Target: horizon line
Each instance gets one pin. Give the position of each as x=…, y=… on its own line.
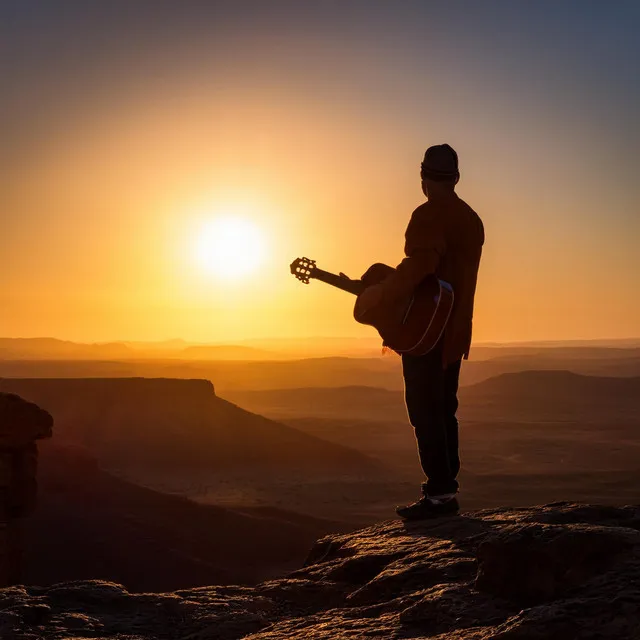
x=244, y=341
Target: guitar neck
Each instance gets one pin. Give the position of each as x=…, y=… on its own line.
x=346, y=284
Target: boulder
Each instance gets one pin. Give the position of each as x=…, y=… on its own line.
x=534, y=563
x=22, y=422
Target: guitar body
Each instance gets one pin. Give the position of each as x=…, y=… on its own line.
x=412, y=325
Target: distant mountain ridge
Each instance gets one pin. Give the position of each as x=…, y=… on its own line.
x=234, y=371
x=557, y=395
x=224, y=352
x=530, y=395
x=52, y=348
x=560, y=352
x=55, y=349
x=557, y=380
x=166, y=424
x=44, y=348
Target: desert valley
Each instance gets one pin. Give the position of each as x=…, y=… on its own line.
x=229, y=468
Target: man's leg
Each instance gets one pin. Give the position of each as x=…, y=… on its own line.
x=451, y=378
x=429, y=398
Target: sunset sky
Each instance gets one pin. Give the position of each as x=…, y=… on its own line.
x=130, y=129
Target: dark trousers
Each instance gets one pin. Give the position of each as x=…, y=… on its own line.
x=431, y=395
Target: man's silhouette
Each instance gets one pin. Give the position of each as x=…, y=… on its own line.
x=445, y=237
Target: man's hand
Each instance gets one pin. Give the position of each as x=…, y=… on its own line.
x=368, y=277
x=375, y=274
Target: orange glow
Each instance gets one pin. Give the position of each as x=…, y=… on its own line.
x=103, y=244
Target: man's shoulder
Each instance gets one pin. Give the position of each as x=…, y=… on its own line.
x=464, y=204
x=443, y=213
x=423, y=207
x=425, y=211
x=471, y=220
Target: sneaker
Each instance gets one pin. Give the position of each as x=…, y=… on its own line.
x=430, y=507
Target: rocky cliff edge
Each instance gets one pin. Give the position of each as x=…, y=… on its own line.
x=562, y=571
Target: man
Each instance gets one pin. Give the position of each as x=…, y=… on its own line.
x=445, y=237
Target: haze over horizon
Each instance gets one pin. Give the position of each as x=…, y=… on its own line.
x=369, y=340
x=130, y=128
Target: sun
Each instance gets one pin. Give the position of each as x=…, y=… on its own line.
x=230, y=247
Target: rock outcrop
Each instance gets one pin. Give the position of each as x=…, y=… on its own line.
x=563, y=571
x=22, y=423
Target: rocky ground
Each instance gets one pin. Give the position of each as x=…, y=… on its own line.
x=562, y=571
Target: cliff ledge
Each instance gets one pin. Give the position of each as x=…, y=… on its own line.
x=565, y=571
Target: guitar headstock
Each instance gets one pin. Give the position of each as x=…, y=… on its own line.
x=303, y=268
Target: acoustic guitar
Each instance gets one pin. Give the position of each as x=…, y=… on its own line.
x=412, y=325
